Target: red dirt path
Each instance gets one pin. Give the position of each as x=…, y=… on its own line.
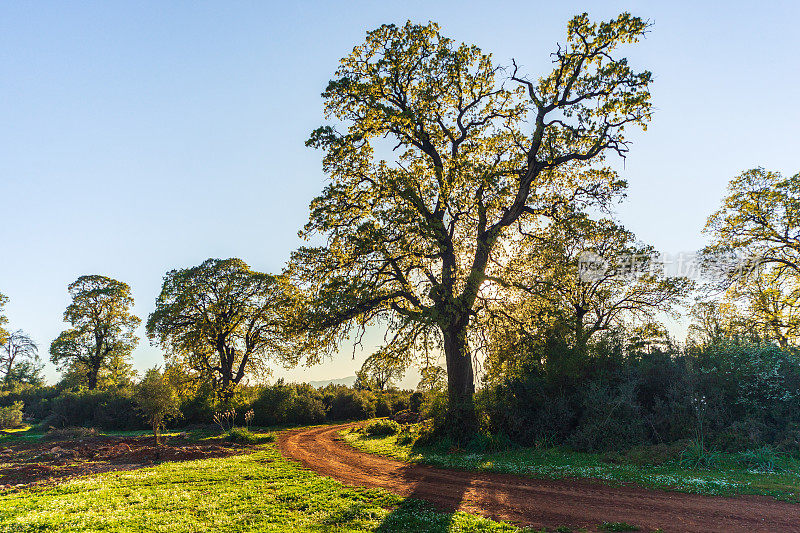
x=537, y=502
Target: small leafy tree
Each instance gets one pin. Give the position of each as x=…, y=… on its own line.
x=157, y=399
x=102, y=327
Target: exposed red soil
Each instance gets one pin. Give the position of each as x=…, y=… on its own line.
x=537, y=502
x=39, y=462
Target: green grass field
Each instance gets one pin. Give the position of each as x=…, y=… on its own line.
x=260, y=491
x=727, y=479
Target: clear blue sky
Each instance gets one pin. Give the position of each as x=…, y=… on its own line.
x=143, y=136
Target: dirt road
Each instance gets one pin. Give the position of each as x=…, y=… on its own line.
x=535, y=502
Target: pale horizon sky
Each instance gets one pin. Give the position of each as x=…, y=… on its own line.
x=144, y=136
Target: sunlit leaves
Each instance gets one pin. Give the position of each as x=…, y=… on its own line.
x=102, y=326
x=222, y=319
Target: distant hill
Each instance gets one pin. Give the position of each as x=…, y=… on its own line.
x=349, y=381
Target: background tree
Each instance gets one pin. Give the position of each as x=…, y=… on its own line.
x=3, y=318
x=482, y=152
x=758, y=223
x=591, y=276
x=157, y=400
x=102, y=327
x=432, y=378
x=754, y=255
x=379, y=371
x=18, y=357
x=221, y=319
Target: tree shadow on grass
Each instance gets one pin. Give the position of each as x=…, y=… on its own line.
x=417, y=512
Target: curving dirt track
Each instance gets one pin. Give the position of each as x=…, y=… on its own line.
x=536, y=502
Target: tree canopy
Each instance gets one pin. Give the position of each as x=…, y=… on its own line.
x=445, y=157
x=18, y=357
x=755, y=254
x=3, y=318
x=102, y=327
x=221, y=319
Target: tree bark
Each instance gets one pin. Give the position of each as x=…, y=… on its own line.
x=94, y=370
x=461, y=421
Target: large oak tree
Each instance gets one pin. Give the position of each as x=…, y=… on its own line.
x=437, y=156
x=102, y=329
x=221, y=319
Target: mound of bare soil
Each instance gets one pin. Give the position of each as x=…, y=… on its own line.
x=36, y=462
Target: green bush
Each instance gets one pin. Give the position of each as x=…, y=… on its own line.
x=344, y=403
x=70, y=433
x=763, y=459
x=245, y=436
x=382, y=428
x=697, y=456
x=288, y=404
x=11, y=416
x=105, y=409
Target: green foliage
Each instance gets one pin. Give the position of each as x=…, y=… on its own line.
x=343, y=403
x=157, y=400
x=220, y=319
x=102, y=331
x=245, y=436
x=763, y=459
x=483, y=155
x=260, y=491
x=665, y=473
x=105, y=409
x=696, y=455
x=19, y=356
x=3, y=318
x=288, y=404
x=70, y=433
x=379, y=371
x=617, y=526
x=381, y=428
x=11, y=416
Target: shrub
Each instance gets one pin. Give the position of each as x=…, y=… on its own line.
x=244, y=436
x=70, y=433
x=157, y=400
x=697, y=456
x=11, y=416
x=483, y=443
x=105, y=409
x=348, y=404
x=763, y=459
x=288, y=404
x=382, y=428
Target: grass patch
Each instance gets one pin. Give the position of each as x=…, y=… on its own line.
x=245, y=436
x=733, y=474
x=616, y=526
x=260, y=491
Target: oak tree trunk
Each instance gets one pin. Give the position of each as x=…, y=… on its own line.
x=461, y=422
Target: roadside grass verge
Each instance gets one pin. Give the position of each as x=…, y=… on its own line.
x=728, y=478
x=260, y=491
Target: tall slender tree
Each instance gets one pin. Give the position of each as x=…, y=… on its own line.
x=102, y=327
x=481, y=152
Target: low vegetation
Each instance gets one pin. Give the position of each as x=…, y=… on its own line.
x=659, y=467
x=261, y=491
